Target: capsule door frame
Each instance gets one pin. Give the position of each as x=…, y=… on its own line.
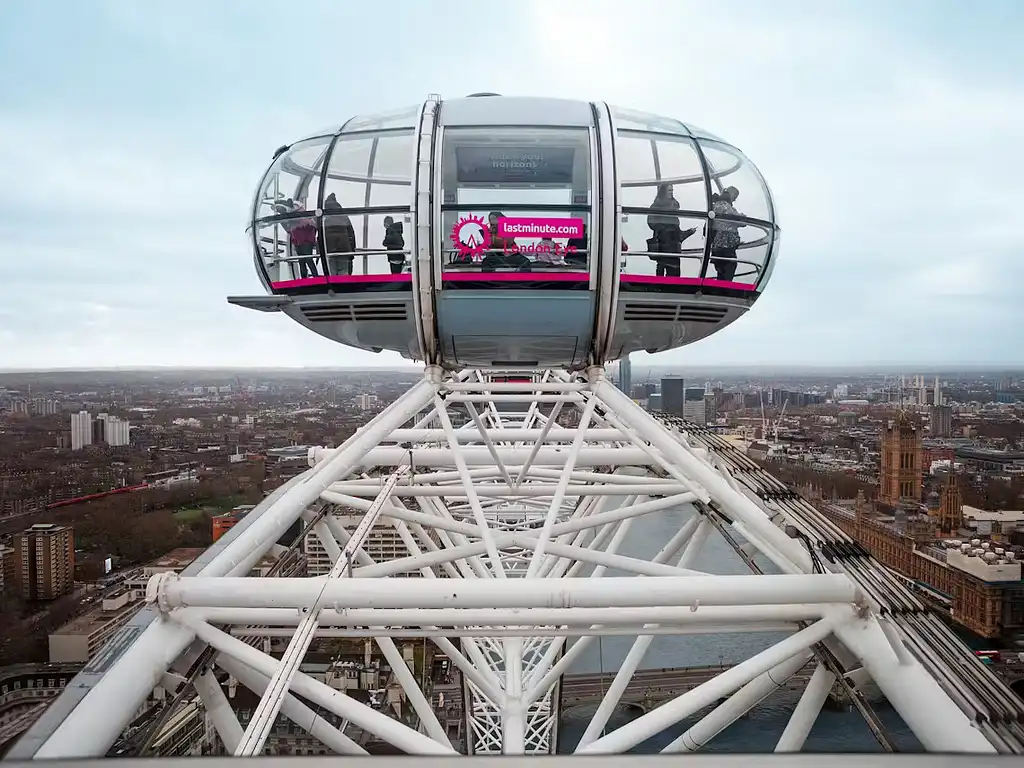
x=605, y=208
x=424, y=245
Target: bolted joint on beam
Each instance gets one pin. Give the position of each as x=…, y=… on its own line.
x=434, y=374
x=156, y=590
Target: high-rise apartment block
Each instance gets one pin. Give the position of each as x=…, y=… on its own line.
x=382, y=544
x=43, y=407
x=99, y=428
x=81, y=430
x=941, y=422
x=44, y=561
x=6, y=568
x=694, y=407
x=626, y=375
x=116, y=432
x=672, y=395
x=103, y=429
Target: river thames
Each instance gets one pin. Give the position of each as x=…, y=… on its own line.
x=758, y=731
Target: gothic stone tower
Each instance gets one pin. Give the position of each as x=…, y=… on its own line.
x=951, y=508
x=901, y=461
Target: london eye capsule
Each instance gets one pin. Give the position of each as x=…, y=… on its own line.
x=497, y=231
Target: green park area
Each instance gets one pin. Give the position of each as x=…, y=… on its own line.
x=193, y=514
x=212, y=508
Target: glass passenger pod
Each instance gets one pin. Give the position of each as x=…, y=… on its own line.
x=335, y=210
x=697, y=216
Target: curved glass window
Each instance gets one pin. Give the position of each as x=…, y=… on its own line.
x=367, y=203
x=348, y=170
x=646, y=161
x=738, y=253
x=286, y=239
x=662, y=245
x=295, y=176
x=371, y=170
x=397, y=118
x=696, y=212
x=729, y=168
x=664, y=199
x=289, y=249
x=773, y=256
x=515, y=200
x=633, y=120
x=338, y=219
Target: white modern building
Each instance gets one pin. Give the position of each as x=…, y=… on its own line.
x=116, y=431
x=81, y=430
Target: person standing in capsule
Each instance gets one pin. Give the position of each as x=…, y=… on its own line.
x=339, y=237
x=394, y=244
x=301, y=233
x=668, y=236
x=725, y=235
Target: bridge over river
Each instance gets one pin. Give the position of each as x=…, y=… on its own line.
x=650, y=687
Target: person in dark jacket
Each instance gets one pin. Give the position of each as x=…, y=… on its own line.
x=725, y=235
x=394, y=240
x=667, y=237
x=339, y=237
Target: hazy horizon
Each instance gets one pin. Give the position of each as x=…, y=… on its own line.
x=909, y=370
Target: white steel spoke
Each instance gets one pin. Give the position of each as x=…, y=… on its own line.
x=266, y=712
x=219, y=710
x=691, y=533
x=400, y=735
x=478, y=513
x=293, y=709
x=737, y=705
x=802, y=720
x=540, y=440
x=563, y=484
x=670, y=713
x=487, y=441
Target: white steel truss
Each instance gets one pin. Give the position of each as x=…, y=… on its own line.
x=513, y=521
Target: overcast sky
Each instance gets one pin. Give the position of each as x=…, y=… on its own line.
x=133, y=134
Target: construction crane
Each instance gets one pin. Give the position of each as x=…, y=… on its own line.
x=778, y=421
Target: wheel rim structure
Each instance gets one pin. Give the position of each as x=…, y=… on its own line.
x=512, y=519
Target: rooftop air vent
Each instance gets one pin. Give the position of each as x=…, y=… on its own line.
x=479, y=95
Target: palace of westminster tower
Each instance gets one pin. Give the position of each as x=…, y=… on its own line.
x=902, y=474
x=902, y=455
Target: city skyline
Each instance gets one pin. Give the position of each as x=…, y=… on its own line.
x=651, y=362
x=138, y=134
